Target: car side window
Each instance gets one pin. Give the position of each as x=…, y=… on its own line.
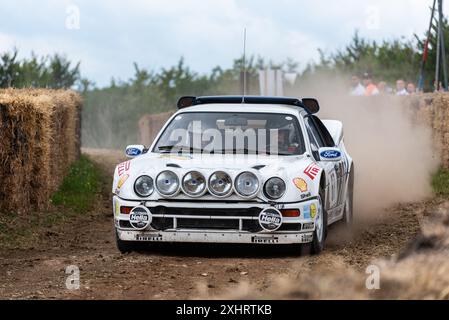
x=314, y=136
x=324, y=133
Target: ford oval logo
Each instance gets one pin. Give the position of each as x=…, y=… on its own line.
x=133, y=152
x=330, y=154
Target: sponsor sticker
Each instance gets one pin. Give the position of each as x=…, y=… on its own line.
x=308, y=226
x=257, y=239
x=270, y=219
x=140, y=218
x=122, y=181
x=306, y=212
x=301, y=184
x=313, y=210
x=312, y=170
x=123, y=168
x=117, y=208
x=306, y=195
x=149, y=237
x=307, y=238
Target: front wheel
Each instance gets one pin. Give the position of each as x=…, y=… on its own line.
x=125, y=246
x=349, y=204
x=320, y=233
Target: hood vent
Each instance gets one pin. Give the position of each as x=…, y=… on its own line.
x=259, y=167
x=173, y=165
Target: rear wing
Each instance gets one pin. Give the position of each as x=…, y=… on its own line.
x=310, y=105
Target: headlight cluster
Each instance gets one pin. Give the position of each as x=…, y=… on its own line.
x=167, y=183
x=247, y=184
x=194, y=184
x=274, y=188
x=144, y=186
x=219, y=184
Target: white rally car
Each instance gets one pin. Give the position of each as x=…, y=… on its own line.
x=233, y=169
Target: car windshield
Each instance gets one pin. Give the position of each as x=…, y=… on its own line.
x=235, y=133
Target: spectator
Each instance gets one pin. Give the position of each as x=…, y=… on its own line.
x=370, y=87
x=411, y=89
x=384, y=88
x=356, y=87
x=400, y=88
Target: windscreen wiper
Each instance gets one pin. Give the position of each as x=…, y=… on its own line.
x=169, y=148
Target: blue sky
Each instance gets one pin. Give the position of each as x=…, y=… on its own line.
x=156, y=33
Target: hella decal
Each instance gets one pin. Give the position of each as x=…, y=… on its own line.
x=140, y=218
x=270, y=219
x=330, y=154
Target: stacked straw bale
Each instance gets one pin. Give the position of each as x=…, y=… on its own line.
x=433, y=109
x=39, y=139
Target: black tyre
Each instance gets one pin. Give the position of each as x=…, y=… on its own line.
x=320, y=233
x=349, y=204
x=125, y=246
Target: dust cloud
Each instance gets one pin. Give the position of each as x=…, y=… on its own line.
x=393, y=150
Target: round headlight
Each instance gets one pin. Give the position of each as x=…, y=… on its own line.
x=220, y=184
x=274, y=188
x=144, y=186
x=167, y=183
x=194, y=183
x=247, y=184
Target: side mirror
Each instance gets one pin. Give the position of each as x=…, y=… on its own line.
x=312, y=106
x=329, y=154
x=133, y=151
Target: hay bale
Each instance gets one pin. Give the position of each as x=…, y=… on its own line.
x=39, y=140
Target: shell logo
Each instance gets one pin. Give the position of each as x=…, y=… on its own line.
x=301, y=184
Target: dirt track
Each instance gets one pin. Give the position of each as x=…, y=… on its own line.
x=177, y=271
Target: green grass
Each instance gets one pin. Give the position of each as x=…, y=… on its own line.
x=79, y=188
x=440, y=183
x=76, y=196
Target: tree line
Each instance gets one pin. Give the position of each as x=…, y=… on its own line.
x=111, y=113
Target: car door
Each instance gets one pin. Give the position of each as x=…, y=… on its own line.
x=319, y=138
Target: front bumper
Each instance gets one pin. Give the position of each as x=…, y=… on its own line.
x=213, y=236
x=222, y=223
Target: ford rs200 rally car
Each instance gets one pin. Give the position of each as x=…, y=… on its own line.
x=233, y=169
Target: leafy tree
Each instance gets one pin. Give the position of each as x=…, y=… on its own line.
x=49, y=72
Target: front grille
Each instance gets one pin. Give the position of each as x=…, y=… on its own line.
x=125, y=224
x=251, y=212
x=182, y=222
x=290, y=227
x=212, y=224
